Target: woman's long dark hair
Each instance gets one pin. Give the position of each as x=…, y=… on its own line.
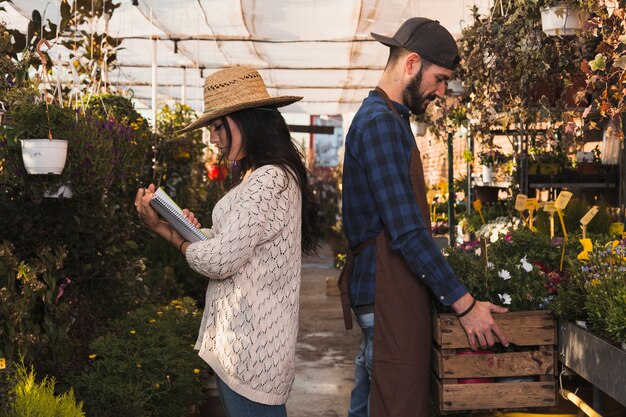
x=267, y=141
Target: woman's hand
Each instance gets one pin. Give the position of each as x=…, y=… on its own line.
x=147, y=214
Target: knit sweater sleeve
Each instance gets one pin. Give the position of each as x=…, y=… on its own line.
x=253, y=215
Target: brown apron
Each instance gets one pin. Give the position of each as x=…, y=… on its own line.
x=402, y=319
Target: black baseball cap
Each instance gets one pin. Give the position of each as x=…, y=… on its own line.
x=428, y=38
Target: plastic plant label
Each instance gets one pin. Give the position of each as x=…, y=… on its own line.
x=590, y=214
x=616, y=228
x=520, y=202
x=478, y=205
x=549, y=207
x=562, y=200
x=3, y=363
x=532, y=204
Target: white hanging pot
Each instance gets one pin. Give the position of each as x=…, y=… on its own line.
x=487, y=173
x=420, y=128
x=44, y=156
x=456, y=88
x=562, y=20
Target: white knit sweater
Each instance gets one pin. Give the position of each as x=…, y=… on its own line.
x=250, y=321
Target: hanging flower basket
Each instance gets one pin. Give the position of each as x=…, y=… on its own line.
x=44, y=156
x=562, y=20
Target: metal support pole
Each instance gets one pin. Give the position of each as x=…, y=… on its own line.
x=183, y=88
x=451, y=196
x=470, y=168
x=153, y=88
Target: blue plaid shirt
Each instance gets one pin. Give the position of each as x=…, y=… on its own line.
x=377, y=194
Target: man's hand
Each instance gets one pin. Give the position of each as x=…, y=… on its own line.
x=478, y=323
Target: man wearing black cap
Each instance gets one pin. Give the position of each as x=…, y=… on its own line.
x=393, y=259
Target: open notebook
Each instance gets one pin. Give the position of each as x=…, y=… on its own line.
x=173, y=214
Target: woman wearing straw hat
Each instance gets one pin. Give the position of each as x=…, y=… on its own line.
x=253, y=254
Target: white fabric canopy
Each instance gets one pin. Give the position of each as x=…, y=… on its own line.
x=320, y=49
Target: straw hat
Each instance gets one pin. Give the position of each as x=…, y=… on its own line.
x=233, y=89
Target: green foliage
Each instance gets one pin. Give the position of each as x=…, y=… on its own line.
x=145, y=365
x=34, y=325
x=29, y=398
x=597, y=291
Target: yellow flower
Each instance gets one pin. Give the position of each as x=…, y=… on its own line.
x=152, y=321
x=133, y=331
x=92, y=356
x=595, y=282
x=159, y=313
x=157, y=385
x=196, y=371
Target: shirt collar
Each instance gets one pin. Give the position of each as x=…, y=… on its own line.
x=402, y=109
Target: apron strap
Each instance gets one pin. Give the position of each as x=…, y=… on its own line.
x=344, y=279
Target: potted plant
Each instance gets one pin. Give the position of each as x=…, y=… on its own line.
x=562, y=20
x=43, y=131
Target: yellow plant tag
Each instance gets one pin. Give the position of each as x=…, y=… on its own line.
x=520, y=202
x=478, y=205
x=590, y=214
x=616, y=228
x=430, y=196
x=3, y=363
x=562, y=200
x=532, y=204
x=549, y=207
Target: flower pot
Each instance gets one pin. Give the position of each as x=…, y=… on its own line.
x=420, y=128
x=44, y=156
x=562, y=20
x=456, y=88
x=549, y=168
x=487, y=173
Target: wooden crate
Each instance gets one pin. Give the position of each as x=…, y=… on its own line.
x=534, y=332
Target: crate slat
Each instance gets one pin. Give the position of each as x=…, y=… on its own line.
x=493, y=396
x=535, y=362
x=523, y=328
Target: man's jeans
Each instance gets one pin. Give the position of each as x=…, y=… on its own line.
x=359, y=402
x=237, y=405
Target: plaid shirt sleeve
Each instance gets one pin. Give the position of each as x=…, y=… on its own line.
x=386, y=156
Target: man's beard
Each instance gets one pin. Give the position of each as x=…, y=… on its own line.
x=413, y=97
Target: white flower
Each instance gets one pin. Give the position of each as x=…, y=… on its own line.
x=477, y=251
x=490, y=265
x=505, y=298
x=524, y=264
x=504, y=274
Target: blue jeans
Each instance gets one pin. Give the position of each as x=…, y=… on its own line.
x=237, y=405
x=360, y=399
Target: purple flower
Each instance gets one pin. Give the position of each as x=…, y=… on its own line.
x=556, y=241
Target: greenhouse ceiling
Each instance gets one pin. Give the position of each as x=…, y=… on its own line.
x=321, y=50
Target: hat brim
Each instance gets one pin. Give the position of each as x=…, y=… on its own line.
x=208, y=116
x=386, y=40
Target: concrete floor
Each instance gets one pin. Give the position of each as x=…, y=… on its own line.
x=325, y=350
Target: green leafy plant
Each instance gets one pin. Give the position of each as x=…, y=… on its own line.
x=36, y=325
x=144, y=364
x=605, y=290
x=28, y=397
